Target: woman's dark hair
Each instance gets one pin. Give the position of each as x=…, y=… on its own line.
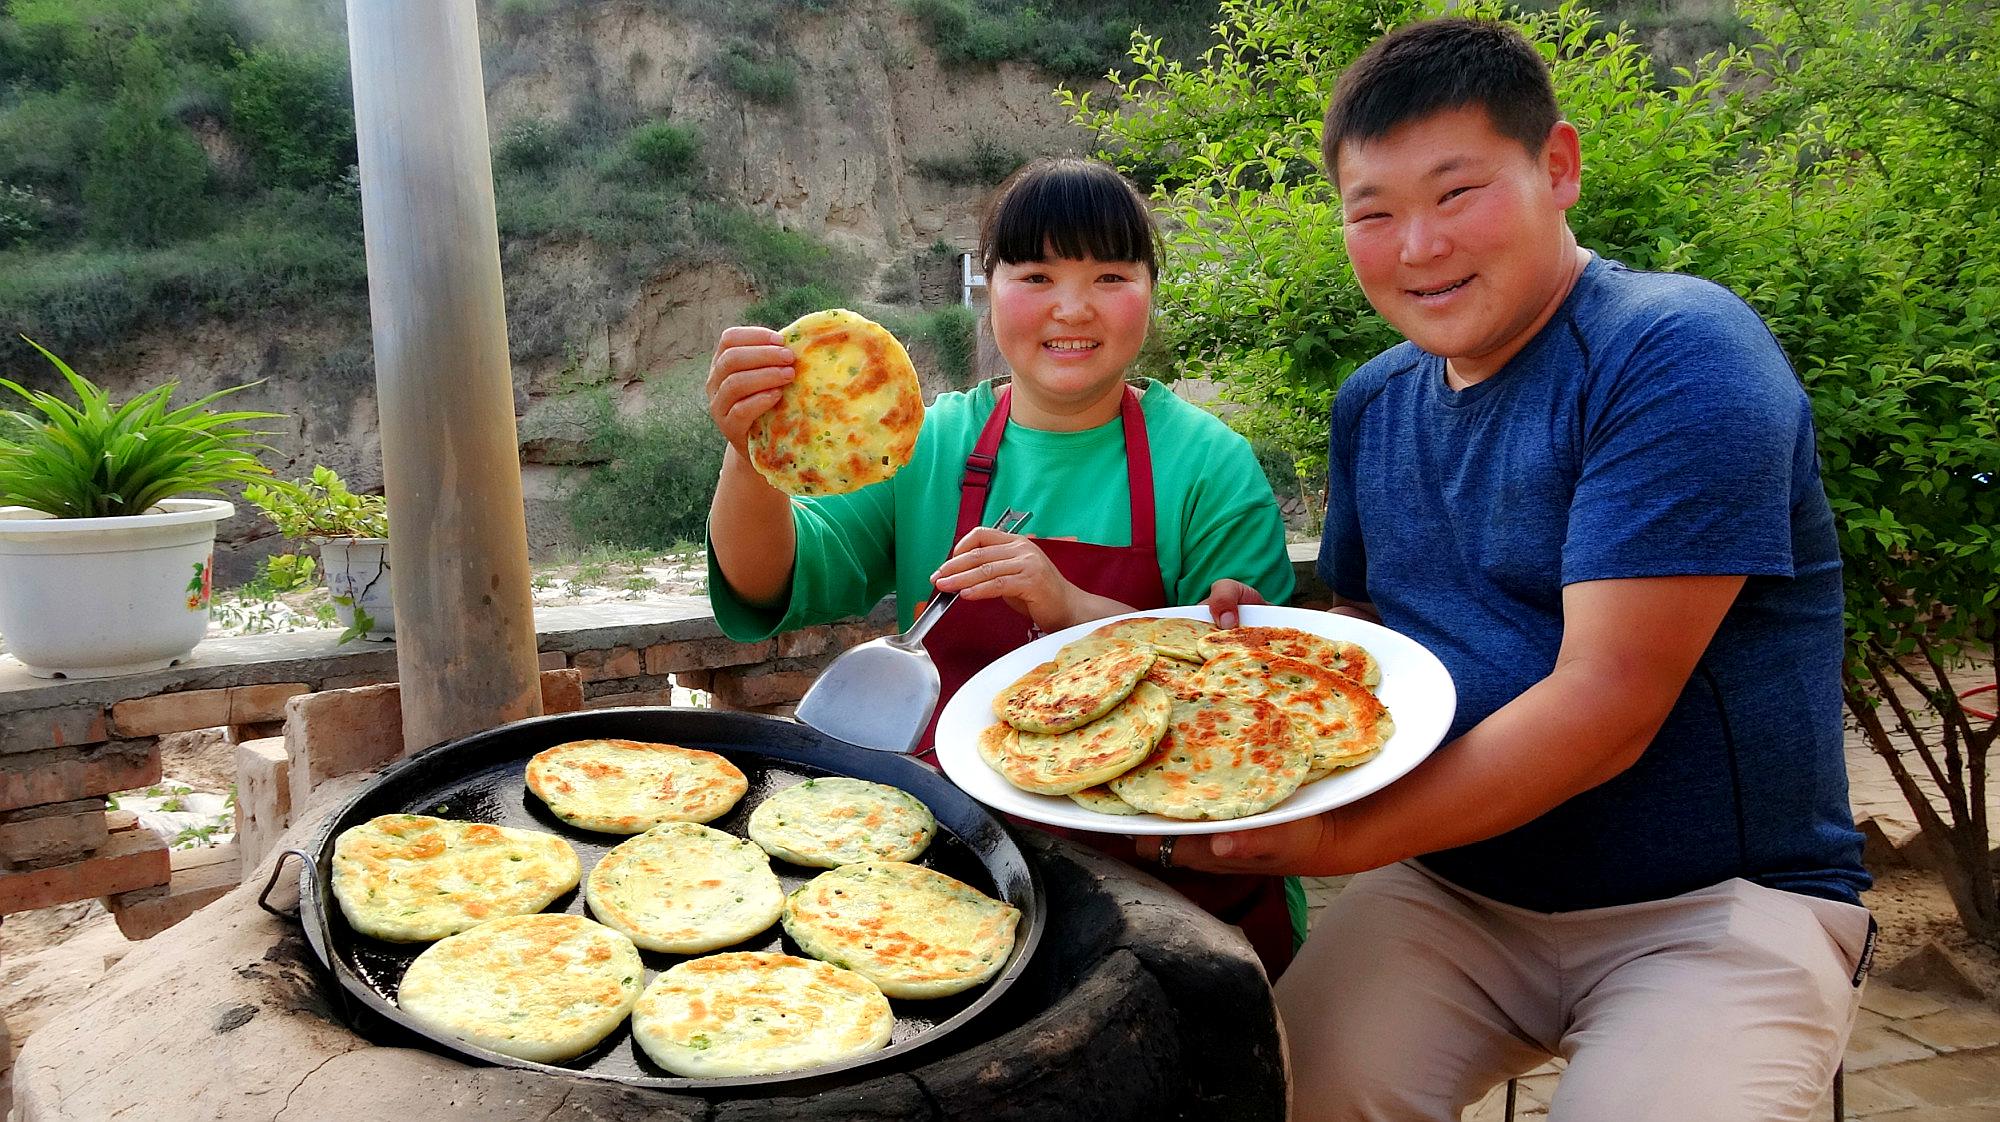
x=1436, y=66
x=1068, y=207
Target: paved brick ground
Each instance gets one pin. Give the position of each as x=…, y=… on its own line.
x=1914, y=1057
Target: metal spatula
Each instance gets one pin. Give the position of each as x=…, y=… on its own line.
x=881, y=694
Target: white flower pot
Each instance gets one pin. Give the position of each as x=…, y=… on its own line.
x=93, y=597
x=357, y=573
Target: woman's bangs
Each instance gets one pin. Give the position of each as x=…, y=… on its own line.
x=1070, y=213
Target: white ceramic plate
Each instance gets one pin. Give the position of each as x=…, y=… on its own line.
x=1415, y=686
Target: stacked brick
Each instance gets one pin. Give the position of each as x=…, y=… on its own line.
x=769, y=676
x=57, y=764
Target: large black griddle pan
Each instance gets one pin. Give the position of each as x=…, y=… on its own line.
x=481, y=778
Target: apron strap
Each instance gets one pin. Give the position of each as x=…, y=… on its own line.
x=979, y=466
x=1138, y=470
x=978, y=478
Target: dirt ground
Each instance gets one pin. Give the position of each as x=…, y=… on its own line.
x=1913, y=909
x=201, y=759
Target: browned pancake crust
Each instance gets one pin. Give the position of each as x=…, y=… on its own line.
x=1222, y=757
x=1079, y=693
x=1345, y=723
x=630, y=786
x=1337, y=655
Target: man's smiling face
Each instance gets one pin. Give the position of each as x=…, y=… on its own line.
x=1457, y=233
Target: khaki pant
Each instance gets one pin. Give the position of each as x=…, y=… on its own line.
x=1412, y=999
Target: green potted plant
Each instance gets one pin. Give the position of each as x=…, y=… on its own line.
x=106, y=559
x=352, y=532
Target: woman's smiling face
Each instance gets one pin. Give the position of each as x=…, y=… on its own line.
x=1069, y=328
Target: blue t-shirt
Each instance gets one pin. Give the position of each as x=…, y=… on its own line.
x=1652, y=428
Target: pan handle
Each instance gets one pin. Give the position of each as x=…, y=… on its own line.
x=264, y=897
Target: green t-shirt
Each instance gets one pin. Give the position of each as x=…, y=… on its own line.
x=1215, y=516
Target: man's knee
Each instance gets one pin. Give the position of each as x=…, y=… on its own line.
x=1347, y=1087
x=1357, y=1060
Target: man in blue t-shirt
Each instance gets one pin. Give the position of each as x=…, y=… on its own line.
x=1593, y=493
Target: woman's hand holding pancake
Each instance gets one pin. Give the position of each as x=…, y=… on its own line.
x=987, y=563
x=750, y=521
x=750, y=367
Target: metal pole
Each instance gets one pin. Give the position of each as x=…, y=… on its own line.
x=458, y=542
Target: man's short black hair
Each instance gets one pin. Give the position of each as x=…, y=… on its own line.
x=1439, y=65
x=1070, y=207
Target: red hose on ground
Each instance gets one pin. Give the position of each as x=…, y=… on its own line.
x=1969, y=710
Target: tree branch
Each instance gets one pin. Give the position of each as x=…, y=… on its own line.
x=1928, y=819
x=1949, y=707
x=1910, y=729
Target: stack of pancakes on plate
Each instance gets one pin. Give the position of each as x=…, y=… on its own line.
x=1174, y=717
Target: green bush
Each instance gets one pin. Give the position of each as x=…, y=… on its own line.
x=92, y=131
x=289, y=251
x=531, y=144
x=983, y=164
x=294, y=109
x=1084, y=39
x=46, y=138
x=145, y=180
x=319, y=506
x=655, y=488
x=280, y=573
x=24, y=214
x=775, y=258
x=781, y=308
x=952, y=336
x=519, y=15
x=665, y=149
x=747, y=71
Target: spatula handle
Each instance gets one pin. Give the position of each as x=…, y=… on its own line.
x=1010, y=520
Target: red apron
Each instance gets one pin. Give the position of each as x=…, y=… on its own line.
x=977, y=632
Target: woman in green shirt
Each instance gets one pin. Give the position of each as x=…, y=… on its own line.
x=1141, y=500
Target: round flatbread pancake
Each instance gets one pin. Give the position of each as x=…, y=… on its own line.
x=829, y=822
x=850, y=415
x=1222, y=757
x=1103, y=800
x=1173, y=636
x=1075, y=695
x=411, y=878
x=1339, y=655
x=1076, y=650
x=1070, y=761
x=752, y=1013
x=630, y=786
x=684, y=889
x=540, y=987
x=1345, y=724
x=914, y=932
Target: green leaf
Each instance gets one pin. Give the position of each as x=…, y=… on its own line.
x=96, y=459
